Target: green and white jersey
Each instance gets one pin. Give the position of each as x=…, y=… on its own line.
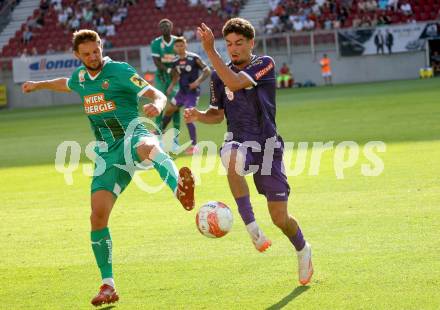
x=110, y=98
x=164, y=50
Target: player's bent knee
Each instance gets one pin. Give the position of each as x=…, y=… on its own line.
x=148, y=148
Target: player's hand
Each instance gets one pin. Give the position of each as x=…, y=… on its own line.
x=151, y=110
x=191, y=115
x=28, y=87
x=193, y=85
x=206, y=37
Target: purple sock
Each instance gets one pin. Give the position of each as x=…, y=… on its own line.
x=298, y=240
x=165, y=121
x=192, y=132
x=245, y=209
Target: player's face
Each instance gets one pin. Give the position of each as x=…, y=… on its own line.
x=180, y=48
x=239, y=48
x=165, y=28
x=90, y=54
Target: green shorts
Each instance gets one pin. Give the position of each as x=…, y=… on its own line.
x=115, y=179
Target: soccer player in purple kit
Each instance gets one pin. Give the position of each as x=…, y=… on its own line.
x=243, y=91
x=186, y=70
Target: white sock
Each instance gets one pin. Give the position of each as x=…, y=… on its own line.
x=252, y=227
x=109, y=281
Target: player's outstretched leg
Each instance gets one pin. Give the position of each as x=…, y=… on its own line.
x=288, y=225
x=181, y=183
x=235, y=161
x=102, y=204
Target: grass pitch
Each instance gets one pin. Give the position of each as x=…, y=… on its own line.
x=375, y=239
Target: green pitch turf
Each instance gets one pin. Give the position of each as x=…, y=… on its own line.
x=375, y=240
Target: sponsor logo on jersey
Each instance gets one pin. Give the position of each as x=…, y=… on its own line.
x=264, y=71
x=229, y=93
x=138, y=81
x=96, y=103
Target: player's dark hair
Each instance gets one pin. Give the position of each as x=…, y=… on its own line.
x=165, y=20
x=83, y=36
x=180, y=39
x=239, y=26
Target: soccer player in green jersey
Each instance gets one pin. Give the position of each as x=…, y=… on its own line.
x=110, y=92
x=162, y=51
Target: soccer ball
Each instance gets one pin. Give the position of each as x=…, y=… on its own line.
x=214, y=219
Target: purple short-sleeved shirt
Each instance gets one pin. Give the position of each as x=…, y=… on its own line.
x=250, y=112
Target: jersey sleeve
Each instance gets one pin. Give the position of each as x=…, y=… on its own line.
x=131, y=81
x=73, y=81
x=155, y=49
x=260, y=71
x=216, y=92
x=202, y=65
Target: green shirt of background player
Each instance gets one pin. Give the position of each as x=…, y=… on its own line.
x=110, y=91
x=162, y=51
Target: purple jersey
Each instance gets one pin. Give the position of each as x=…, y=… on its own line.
x=250, y=112
x=189, y=69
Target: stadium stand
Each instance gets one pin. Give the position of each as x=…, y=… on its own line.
x=304, y=15
x=122, y=23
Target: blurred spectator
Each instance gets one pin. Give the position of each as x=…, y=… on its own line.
x=273, y=4
x=406, y=8
x=110, y=30
x=298, y=24
x=160, y=4
x=211, y=5
x=371, y=5
x=27, y=35
x=34, y=51
x=284, y=78
x=193, y=3
x=189, y=33
x=309, y=24
x=50, y=49
x=24, y=53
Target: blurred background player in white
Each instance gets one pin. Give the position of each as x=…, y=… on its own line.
x=186, y=69
x=243, y=91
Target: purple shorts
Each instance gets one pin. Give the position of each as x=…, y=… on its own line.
x=269, y=178
x=186, y=100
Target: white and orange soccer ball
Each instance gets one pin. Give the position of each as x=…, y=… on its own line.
x=214, y=219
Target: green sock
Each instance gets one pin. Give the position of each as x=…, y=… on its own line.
x=176, y=120
x=102, y=248
x=167, y=169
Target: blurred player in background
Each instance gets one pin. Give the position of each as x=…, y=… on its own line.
x=186, y=69
x=244, y=92
x=162, y=51
x=284, y=78
x=110, y=92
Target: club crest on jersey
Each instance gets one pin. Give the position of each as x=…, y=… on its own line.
x=81, y=76
x=229, y=94
x=105, y=84
x=138, y=81
x=188, y=68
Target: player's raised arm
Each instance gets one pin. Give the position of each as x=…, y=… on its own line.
x=59, y=85
x=234, y=81
x=159, y=101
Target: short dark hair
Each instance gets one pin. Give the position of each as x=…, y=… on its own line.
x=83, y=36
x=240, y=26
x=165, y=20
x=180, y=39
